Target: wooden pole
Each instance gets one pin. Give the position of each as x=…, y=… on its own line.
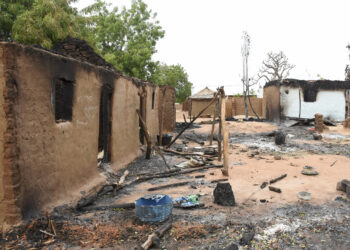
x=149, y=141
x=213, y=126
x=224, y=132
x=147, y=136
x=189, y=124
x=161, y=118
x=220, y=130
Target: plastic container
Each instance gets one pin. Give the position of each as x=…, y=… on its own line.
x=154, y=208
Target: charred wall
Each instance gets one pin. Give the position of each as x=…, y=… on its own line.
x=60, y=152
x=272, y=103
x=60, y=156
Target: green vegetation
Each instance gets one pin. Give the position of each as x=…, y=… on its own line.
x=175, y=76
x=126, y=38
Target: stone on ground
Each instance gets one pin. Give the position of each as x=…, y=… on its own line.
x=223, y=194
x=280, y=138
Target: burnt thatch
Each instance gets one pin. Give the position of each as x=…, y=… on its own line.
x=82, y=51
x=315, y=84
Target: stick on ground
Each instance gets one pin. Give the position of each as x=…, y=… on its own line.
x=278, y=178
x=275, y=189
x=178, y=184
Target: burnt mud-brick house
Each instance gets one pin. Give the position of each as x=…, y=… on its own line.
x=58, y=110
x=299, y=99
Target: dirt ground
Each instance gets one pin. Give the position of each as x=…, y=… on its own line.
x=274, y=220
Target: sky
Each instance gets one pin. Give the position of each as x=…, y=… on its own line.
x=205, y=37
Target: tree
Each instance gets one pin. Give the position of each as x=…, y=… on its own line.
x=128, y=38
x=9, y=11
x=275, y=67
x=347, y=69
x=46, y=22
x=176, y=76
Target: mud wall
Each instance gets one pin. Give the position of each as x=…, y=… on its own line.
x=2, y=131
x=169, y=115
x=238, y=106
x=60, y=157
x=45, y=161
x=125, y=142
x=272, y=103
x=228, y=106
x=186, y=105
x=330, y=103
x=197, y=105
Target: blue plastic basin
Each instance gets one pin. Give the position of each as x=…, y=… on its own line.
x=154, y=208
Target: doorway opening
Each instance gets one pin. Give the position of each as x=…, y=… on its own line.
x=105, y=125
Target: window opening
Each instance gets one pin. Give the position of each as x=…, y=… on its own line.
x=153, y=100
x=62, y=99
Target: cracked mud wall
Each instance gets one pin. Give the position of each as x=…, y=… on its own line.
x=125, y=142
x=56, y=159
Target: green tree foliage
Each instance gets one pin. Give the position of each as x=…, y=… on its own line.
x=125, y=38
x=176, y=76
x=46, y=22
x=9, y=11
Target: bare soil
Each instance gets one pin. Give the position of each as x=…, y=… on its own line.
x=277, y=220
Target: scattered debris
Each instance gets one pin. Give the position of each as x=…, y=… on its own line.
x=223, y=194
x=232, y=246
x=305, y=196
x=308, y=170
x=247, y=237
x=280, y=138
x=219, y=180
x=278, y=178
x=333, y=163
x=317, y=136
x=263, y=185
x=178, y=184
x=277, y=157
x=347, y=123
x=188, y=201
x=342, y=185
x=275, y=189
x=153, y=239
x=238, y=163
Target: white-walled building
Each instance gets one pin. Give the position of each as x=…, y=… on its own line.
x=303, y=99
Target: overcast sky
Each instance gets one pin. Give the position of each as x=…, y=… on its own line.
x=204, y=36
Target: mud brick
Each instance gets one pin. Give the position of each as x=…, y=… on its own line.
x=342, y=185
x=348, y=192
